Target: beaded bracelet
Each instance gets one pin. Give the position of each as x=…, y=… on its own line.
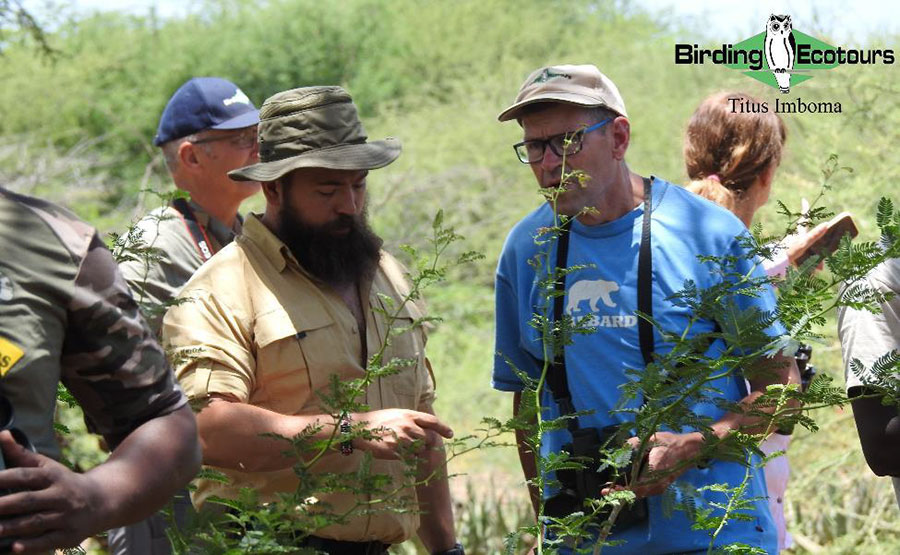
x=344, y=428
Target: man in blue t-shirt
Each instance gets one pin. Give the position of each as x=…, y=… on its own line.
x=576, y=128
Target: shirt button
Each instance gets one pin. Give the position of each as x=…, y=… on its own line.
x=354, y=330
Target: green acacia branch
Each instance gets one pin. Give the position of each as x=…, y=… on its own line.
x=732, y=499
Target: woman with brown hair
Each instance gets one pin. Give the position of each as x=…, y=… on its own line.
x=731, y=158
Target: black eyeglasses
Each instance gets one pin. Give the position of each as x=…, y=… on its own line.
x=245, y=139
x=564, y=144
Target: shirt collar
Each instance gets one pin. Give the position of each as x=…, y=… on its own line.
x=277, y=253
x=219, y=231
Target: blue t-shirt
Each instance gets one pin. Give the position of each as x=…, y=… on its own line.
x=605, y=290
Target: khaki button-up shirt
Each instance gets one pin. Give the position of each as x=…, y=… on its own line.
x=259, y=329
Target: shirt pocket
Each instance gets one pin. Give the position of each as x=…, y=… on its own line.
x=407, y=343
x=292, y=354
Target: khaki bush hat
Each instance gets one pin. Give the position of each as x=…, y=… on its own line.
x=313, y=127
x=582, y=85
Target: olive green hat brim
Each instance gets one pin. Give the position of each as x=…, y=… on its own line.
x=362, y=156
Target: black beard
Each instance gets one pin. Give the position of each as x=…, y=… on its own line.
x=343, y=252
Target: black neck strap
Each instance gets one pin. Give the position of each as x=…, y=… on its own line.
x=645, y=281
x=196, y=231
x=556, y=376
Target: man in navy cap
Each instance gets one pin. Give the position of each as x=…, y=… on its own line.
x=207, y=129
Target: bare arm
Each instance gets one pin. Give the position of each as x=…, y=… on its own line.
x=223, y=424
x=56, y=507
x=436, y=528
x=673, y=451
x=526, y=458
x=779, y=369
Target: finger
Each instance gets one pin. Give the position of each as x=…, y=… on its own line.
x=409, y=434
x=24, y=503
x=14, y=455
x=641, y=491
x=429, y=421
x=634, y=442
x=30, y=525
x=807, y=239
x=654, y=486
x=432, y=439
x=818, y=231
x=45, y=542
x=609, y=489
x=658, y=440
x=22, y=479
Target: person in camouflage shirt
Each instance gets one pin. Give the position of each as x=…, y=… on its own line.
x=66, y=315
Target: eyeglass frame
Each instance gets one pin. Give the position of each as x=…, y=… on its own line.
x=579, y=133
x=237, y=139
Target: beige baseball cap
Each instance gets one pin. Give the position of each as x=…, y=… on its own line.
x=582, y=85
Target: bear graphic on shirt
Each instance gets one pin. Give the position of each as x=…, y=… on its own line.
x=588, y=294
x=591, y=291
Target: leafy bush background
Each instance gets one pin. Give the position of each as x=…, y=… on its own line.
x=77, y=127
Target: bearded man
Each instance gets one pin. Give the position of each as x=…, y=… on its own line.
x=299, y=298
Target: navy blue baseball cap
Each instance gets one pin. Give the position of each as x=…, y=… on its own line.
x=205, y=103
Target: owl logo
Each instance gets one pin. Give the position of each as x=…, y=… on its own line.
x=780, y=49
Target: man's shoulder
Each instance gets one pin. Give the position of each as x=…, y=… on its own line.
x=70, y=231
x=397, y=274
x=886, y=277
x=676, y=197
x=161, y=228
x=224, y=284
x=228, y=271
x=522, y=235
x=690, y=217
x=392, y=267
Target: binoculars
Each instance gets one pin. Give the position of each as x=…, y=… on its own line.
x=578, y=485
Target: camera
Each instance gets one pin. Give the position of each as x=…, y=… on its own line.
x=807, y=370
x=586, y=482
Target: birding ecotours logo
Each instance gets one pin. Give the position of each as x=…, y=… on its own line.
x=781, y=56
x=780, y=50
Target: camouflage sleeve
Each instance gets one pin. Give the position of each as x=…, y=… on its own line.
x=111, y=362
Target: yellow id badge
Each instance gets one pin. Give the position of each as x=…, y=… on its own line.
x=10, y=353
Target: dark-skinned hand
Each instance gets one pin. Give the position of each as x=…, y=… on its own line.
x=50, y=506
